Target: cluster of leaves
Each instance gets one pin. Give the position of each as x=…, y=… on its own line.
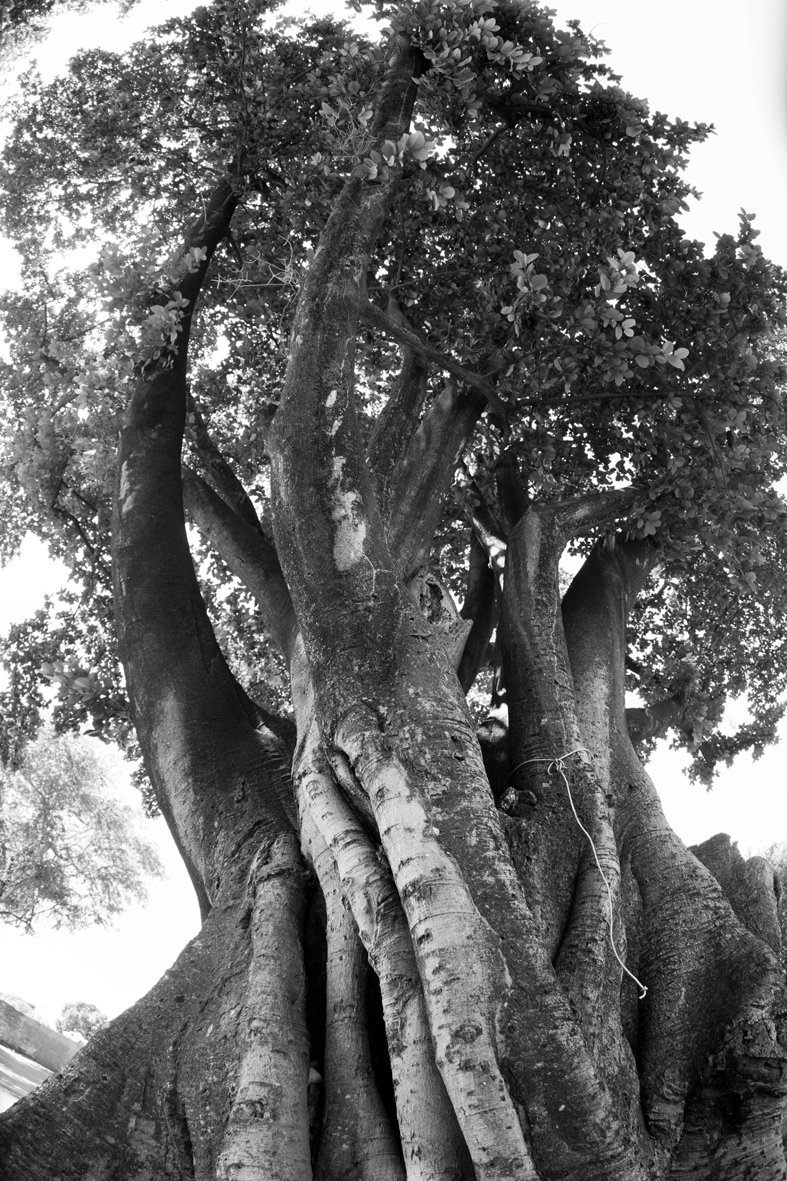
x=534, y=237
x=70, y=855
x=77, y=686
x=705, y=637
x=79, y=630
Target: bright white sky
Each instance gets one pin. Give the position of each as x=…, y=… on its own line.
x=703, y=60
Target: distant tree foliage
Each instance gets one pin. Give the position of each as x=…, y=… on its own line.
x=80, y=1019
x=69, y=852
x=23, y=22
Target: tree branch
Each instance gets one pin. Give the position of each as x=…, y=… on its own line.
x=488, y=532
x=249, y=554
x=206, y=234
x=426, y=474
x=585, y=514
x=397, y=423
x=404, y=335
x=480, y=606
x=652, y=721
x=511, y=492
x=226, y=482
x=327, y=524
x=165, y=638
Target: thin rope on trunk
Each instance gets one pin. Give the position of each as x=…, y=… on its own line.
x=558, y=764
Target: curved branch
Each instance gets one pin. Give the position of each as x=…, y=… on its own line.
x=488, y=532
x=653, y=721
x=205, y=234
x=249, y=555
x=226, y=482
x=586, y=514
x=196, y=732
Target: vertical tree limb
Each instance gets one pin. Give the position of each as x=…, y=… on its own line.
x=558, y=865
x=339, y=846
x=357, y=1140
x=196, y=732
x=267, y=1132
x=328, y=528
x=708, y=1004
x=425, y=476
x=226, y=482
x=480, y=607
x=396, y=425
x=249, y=555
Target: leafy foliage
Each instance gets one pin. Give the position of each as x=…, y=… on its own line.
x=70, y=855
x=81, y=1019
x=534, y=239
x=25, y=22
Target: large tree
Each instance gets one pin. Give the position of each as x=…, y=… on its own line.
x=448, y=327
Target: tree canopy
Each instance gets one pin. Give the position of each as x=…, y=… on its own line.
x=617, y=351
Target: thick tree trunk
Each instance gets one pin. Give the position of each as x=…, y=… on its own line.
x=708, y=1040
x=190, y=1083
x=152, y=1094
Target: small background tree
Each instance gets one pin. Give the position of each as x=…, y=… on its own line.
x=70, y=854
x=80, y=1020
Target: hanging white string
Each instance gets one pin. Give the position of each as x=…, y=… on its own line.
x=558, y=764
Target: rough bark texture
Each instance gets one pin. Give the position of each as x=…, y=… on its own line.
x=709, y=1039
